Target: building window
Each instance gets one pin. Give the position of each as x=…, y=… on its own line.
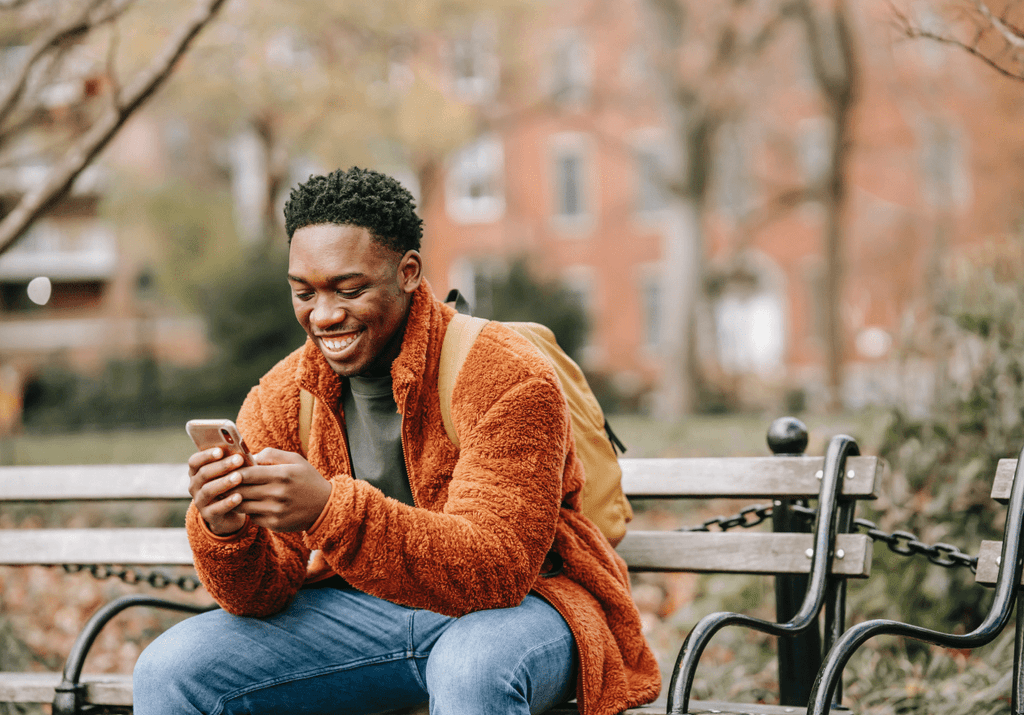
x=473, y=64
x=732, y=181
x=569, y=185
x=814, y=149
x=651, y=195
x=749, y=317
x=571, y=73
x=943, y=162
x=572, y=182
x=475, y=186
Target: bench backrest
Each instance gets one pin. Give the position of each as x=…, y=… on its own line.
x=776, y=477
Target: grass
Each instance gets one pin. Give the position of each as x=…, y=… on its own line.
x=164, y=445
x=736, y=435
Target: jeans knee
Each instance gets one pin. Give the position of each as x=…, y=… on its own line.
x=473, y=678
x=510, y=661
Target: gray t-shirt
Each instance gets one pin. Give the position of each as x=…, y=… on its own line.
x=374, y=429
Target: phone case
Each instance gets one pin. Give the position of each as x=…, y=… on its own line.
x=219, y=433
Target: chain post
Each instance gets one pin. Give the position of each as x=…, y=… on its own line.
x=800, y=655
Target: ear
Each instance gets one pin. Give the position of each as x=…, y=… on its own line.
x=410, y=271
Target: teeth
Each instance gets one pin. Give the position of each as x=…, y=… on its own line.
x=338, y=344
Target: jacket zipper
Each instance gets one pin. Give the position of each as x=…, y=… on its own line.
x=405, y=459
x=582, y=702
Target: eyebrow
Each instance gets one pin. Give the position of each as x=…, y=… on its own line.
x=333, y=279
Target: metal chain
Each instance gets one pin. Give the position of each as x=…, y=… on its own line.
x=907, y=544
x=900, y=542
x=133, y=576
x=747, y=517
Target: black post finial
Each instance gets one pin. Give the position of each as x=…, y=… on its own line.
x=787, y=435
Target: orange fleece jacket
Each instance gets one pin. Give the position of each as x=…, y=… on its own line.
x=485, y=517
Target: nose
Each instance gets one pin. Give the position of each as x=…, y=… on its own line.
x=326, y=313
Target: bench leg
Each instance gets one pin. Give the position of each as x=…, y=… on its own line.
x=1016, y=694
x=799, y=656
x=69, y=696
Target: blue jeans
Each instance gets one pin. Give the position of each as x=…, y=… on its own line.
x=342, y=651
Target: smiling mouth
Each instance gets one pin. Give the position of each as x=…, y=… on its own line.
x=340, y=344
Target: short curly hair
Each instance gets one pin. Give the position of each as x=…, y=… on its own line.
x=357, y=197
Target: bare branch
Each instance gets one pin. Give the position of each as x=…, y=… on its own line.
x=63, y=174
x=973, y=50
x=52, y=45
x=111, y=64
x=1014, y=40
x=60, y=33
x=986, y=24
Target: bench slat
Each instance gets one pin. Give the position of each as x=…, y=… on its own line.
x=988, y=563
x=116, y=689
x=94, y=482
x=105, y=688
x=727, y=552
x=745, y=477
x=787, y=477
x=151, y=547
x=761, y=553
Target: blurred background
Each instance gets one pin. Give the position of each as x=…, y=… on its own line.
x=766, y=204
x=726, y=211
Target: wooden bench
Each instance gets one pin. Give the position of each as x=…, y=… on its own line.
x=1000, y=564
x=810, y=568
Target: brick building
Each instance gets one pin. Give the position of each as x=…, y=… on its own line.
x=566, y=174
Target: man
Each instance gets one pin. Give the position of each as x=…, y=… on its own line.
x=463, y=576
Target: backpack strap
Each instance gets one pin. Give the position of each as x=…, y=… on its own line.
x=458, y=339
x=458, y=301
x=306, y=402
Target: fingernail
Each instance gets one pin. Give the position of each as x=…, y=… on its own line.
x=236, y=478
x=217, y=454
x=237, y=459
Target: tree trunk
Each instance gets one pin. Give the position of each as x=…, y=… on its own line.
x=833, y=59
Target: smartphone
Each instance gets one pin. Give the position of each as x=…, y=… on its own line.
x=219, y=433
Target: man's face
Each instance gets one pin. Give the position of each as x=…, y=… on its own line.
x=352, y=296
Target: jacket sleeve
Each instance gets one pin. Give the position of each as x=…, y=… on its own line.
x=256, y=571
x=485, y=548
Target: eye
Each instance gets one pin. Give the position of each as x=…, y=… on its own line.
x=350, y=292
x=303, y=294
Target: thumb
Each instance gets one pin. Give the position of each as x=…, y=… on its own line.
x=269, y=455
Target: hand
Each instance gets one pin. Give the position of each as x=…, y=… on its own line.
x=211, y=478
x=283, y=492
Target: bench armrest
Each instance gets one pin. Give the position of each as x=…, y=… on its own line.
x=1006, y=588
x=825, y=528
x=68, y=697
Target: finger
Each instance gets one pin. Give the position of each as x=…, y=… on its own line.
x=220, y=507
x=210, y=472
x=265, y=474
x=269, y=455
x=216, y=489
x=202, y=458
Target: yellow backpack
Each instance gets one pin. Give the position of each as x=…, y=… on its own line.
x=602, y=499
